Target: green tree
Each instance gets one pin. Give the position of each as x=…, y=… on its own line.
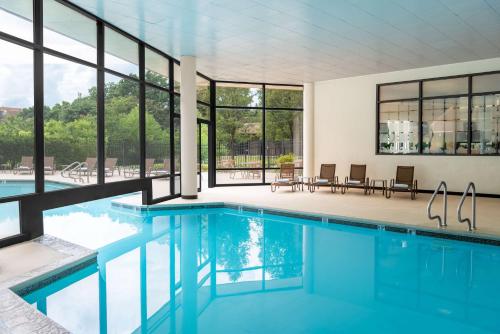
x=231, y=123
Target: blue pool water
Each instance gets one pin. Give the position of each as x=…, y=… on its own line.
x=9, y=212
x=226, y=271
x=13, y=188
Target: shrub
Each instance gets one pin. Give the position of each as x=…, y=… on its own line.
x=285, y=158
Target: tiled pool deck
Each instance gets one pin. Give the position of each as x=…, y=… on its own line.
x=43, y=260
x=375, y=209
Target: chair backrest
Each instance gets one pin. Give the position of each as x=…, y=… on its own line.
x=358, y=173
x=327, y=171
x=404, y=175
x=90, y=163
x=27, y=161
x=149, y=164
x=48, y=161
x=110, y=163
x=287, y=171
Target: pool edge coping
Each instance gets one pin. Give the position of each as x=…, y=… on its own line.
x=15, y=313
x=464, y=236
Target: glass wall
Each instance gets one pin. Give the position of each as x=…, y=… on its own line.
x=62, y=83
x=121, y=122
x=283, y=129
x=69, y=32
x=16, y=18
x=239, y=145
x=158, y=131
x=16, y=112
x=254, y=137
x=16, y=119
x=157, y=68
x=121, y=53
x=449, y=116
x=70, y=123
x=158, y=150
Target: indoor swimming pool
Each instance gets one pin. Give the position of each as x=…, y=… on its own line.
x=224, y=270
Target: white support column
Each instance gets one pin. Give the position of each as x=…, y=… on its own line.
x=308, y=135
x=189, y=188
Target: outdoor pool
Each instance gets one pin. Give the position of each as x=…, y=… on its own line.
x=222, y=270
x=9, y=213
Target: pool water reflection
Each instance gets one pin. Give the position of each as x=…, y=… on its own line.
x=224, y=271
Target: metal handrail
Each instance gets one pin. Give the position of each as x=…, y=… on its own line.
x=441, y=222
x=69, y=168
x=472, y=226
x=73, y=171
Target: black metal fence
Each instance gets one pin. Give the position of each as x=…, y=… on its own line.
x=247, y=153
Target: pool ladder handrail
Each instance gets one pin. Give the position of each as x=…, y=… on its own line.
x=472, y=225
x=441, y=221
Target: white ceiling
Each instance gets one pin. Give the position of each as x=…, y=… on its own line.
x=295, y=41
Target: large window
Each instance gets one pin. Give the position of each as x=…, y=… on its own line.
x=398, y=119
x=444, y=126
x=158, y=140
x=121, y=53
x=121, y=128
x=69, y=32
x=485, y=116
x=157, y=68
x=445, y=116
x=16, y=18
x=258, y=127
x=70, y=123
x=283, y=129
x=16, y=120
x=239, y=145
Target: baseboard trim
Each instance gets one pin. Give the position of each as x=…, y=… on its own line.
x=189, y=196
x=458, y=193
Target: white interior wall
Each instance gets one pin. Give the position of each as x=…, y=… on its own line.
x=345, y=132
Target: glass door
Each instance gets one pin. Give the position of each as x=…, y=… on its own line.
x=202, y=156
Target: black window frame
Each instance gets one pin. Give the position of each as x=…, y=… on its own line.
x=469, y=95
x=262, y=108
x=32, y=205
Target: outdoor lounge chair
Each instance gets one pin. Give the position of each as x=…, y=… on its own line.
x=48, y=165
x=88, y=167
x=404, y=182
x=164, y=170
x=230, y=165
x=357, y=179
x=133, y=171
x=253, y=173
x=25, y=166
x=110, y=166
x=326, y=178
x=286, y=178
